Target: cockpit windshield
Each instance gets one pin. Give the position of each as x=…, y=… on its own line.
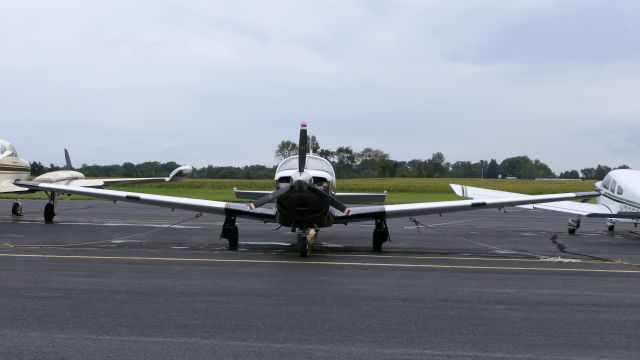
x=7, y=149
x=313, y=163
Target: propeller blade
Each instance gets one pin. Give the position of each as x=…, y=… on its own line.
x=302, y=147
x=329, y=199
x=270, y=197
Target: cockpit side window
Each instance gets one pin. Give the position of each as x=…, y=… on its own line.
x=612, y=188
x=619, y=191
x=606, y=182
x=14, y=153
x=2, y=149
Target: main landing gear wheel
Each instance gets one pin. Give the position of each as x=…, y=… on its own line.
x=49, y=213
x=380, y=235
x=573, y=225
x=16, y=209
x=230, y=232
x=611, y=224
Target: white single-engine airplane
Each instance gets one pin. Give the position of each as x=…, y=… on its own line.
x=619, y=200
x=13, y=168
x=305, y=201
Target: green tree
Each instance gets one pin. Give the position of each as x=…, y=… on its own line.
x=37, y=168
x=493, y=169
x=285, y=149
x=569, y=174
x=601, y=171
x=588, y=173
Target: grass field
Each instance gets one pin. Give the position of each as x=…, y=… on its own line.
x=400, y=190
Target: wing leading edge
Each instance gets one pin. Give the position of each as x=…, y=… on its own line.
x=440, y=207
x=173, y=202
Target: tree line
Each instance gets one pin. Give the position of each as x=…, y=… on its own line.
x=366, y=163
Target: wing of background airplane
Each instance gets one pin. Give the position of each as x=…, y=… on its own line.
x=74, y=178
x=570, y=207
x=354, y=214
x=173, y=202
x=7, y=186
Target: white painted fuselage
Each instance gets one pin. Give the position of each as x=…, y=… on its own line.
x=620, y=191
x=12, y=167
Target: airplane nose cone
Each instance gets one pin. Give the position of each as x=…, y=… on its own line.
x=300, y=185
x=301, y=181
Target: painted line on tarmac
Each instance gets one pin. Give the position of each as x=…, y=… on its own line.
x=462, y=258
x=312, y=262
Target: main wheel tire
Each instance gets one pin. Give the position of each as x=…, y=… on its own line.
x=303, y=246
x=16, y=209
x=379, y=238
x=49, y=213
x=611, y=227
x=377, y=244
x=572, y=231
x=233, y=237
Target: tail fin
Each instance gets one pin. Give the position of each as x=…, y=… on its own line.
x=68, y=160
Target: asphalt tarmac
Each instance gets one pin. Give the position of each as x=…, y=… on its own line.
x=115, y=281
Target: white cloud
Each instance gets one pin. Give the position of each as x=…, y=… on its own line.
x=227, y=80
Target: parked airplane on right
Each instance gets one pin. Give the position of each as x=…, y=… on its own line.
x=619, y=200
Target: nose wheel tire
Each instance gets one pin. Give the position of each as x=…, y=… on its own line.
x=303, y=246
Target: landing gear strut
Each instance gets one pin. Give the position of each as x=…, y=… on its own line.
x=50, y=208
x=306, y=238
x=611, y=224
x=230, y=231
x=16, y=209
x=380, y=234
x=573, y=225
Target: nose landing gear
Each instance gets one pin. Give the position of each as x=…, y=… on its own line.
x=306, y=238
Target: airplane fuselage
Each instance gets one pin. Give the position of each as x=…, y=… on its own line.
x=12, y=167
x=302, y=208
x=620, y=191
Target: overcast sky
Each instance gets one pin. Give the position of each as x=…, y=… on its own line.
x=222, y=82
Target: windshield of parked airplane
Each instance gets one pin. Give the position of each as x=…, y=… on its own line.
x=7, y=148
x=606, y=182
x=313, y=163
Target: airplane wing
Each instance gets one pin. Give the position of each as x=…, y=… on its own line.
x=440, y=207
x=354, y=214
x=73, y=178
x=571, y=207
x=7, y=186
x=173, y=202
x=345, y=198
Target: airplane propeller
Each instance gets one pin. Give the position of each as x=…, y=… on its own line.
x=303, y=182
